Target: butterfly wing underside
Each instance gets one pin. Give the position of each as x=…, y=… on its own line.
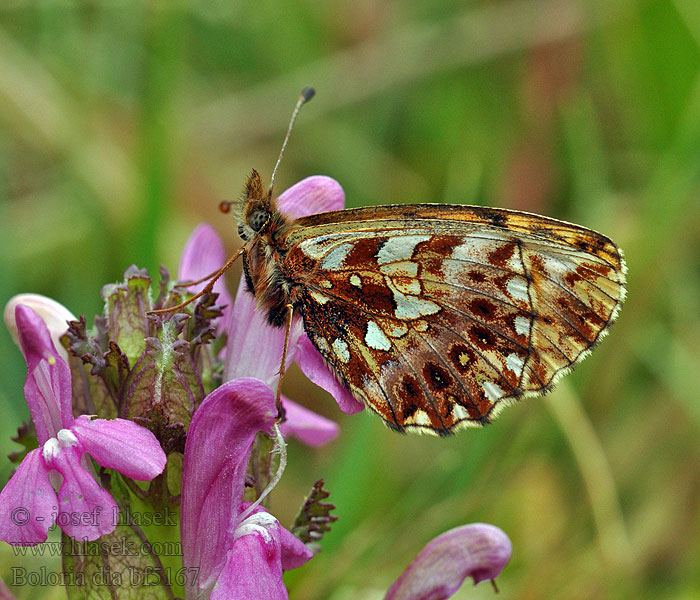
x=437, y=316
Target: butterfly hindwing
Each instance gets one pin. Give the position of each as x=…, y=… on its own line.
x=435, y=319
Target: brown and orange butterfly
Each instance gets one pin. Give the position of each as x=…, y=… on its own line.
x=434, y=316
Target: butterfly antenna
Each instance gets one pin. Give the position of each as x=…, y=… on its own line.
x=306, y=94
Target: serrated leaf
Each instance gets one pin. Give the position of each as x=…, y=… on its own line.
x=96, y=376
x=90, y=395
x=26, y=436
x=202, y=328
x=85, y=346
x=169, y=293
x=314, y=518
x=126, y=305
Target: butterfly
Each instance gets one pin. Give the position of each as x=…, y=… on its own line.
x=434, y=316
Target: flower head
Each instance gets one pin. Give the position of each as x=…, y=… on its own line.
x=28, y=503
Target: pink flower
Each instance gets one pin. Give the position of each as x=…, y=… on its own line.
x=254, y=348
x=478, y=551
x=54, y=314
x=237, y=552
x=28, y=503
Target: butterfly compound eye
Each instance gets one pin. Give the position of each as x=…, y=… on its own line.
x=257, y=219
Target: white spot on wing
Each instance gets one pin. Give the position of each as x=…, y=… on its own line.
x=411, y=307
x=333, y=261
x=398, y=331
x=399, y=247
x=476, y=249
x=515, y=363
x=375, y=337
x=319, y=297
x=340, y=348
x=492, y=390
x=322, y=344
x=522, y=325
x=356, y=281
x=515, y=263
x=410, y=287
x=420, y=417
x=459, y=412
x=517, y=288
x=557, y=267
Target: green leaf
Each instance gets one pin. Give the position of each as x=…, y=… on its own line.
x=120, y=565
x=314, y=518
x=26, y=436
x=96, y=376
x=126, y=305
x=173, y=472
x=163, y=388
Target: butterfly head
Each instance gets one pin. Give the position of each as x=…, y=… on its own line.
x=256, y=209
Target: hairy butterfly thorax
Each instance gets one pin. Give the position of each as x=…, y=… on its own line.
x=263, y=230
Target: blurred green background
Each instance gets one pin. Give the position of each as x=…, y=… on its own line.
x=124, y=124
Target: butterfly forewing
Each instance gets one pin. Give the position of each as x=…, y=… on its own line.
x=435, y=316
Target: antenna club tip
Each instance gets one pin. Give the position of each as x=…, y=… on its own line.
x=307, y=93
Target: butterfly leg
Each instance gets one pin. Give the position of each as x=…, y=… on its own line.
x=283, y=365
x=212, y=277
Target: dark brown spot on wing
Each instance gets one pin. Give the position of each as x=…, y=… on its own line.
x=462, y=357
x=481, y=307
x=503, y=254
x=436, y=377
x=482, y=337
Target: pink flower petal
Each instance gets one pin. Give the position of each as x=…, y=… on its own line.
x=294, y=552
x=203, y=254
x=253, y=569
x=307, y=426
x=27, y=503
x=312, y=195
x=254, y=347
x=313, y=366
x=54, y=314
x=479, y=551
x=121, y=445
x=86, y=511
x=5, y=593
x=218, y=447
x=47, y=388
